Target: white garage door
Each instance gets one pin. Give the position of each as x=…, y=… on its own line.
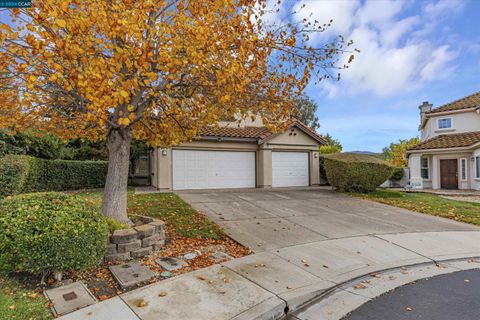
x=194, y=169
x=290, y=169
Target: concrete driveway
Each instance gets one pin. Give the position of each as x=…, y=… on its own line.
x=313, y=247
x=278, y=218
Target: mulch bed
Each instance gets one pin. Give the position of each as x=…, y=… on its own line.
x=101, y=283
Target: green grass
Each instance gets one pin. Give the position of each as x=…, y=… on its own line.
x=17, y=302
x=179, y=216
x=428, y=203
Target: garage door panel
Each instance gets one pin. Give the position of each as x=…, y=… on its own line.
x=194, y=169
x=290, y=169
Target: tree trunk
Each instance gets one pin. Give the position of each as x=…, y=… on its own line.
x=115, y=194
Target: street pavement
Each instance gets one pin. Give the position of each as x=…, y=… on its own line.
x=453, y=296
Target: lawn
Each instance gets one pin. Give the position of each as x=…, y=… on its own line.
x=18, y=302
x=429, y=204
x=180, y=218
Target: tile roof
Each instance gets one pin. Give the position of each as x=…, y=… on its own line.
x=467, y=102
x=449, y=141
x=259, y=133
x=236, y=132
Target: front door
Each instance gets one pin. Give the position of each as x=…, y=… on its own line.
x=449, y=173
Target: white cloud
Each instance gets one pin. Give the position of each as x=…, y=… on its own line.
x=375, y=12
x=323, y=11
x=397, y=53
x=443, y=6
x=435, y=68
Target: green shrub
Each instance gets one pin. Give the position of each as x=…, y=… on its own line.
x=50, y=232
x=397, y=174
x=356, y=172
x=113, y=225
x=21, y=174
x=14, y=172
x=322, y=171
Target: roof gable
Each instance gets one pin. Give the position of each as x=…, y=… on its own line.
x=261, y=134
x=302, y=127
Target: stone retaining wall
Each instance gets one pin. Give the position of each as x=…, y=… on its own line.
x=147, y=235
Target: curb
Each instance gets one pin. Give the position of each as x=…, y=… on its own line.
x=352, y=298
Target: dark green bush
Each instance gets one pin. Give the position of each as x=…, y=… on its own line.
x=21, y=174
x=14, y=171
x=50, y=232
x=397, y=174
x=35, y=144
x=356, y=172
x=323, y=172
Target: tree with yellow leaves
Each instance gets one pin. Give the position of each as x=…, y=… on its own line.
x=395, y=154
x=156, y=71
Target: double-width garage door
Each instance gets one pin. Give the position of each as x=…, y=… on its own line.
x=194, y=169
x=290, y=169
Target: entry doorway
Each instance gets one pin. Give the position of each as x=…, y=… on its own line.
x=449, y=174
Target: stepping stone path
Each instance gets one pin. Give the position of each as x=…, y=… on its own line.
x=131, y=274
x=190, y=256
x=220, y=257
x=166, y=274
x=171, y=264
x=69, y=298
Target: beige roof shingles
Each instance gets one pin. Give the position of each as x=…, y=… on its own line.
x=471, y=101
x=234, y=132
x=261, y=134
x=459, y=140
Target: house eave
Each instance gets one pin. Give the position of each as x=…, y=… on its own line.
x=225, y=139
x=442, y=150
x=433, y=114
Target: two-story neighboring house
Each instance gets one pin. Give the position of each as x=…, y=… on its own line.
x=240, y=155
x=449, y=155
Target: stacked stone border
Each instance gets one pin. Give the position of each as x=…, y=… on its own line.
x=146, y=236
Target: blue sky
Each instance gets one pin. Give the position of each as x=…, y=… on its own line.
x=411, y=51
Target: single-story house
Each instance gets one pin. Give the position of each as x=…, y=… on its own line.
x=245, y=155
x=448, y=156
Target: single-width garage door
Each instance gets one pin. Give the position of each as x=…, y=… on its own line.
x=290, y=169
x=193, y=169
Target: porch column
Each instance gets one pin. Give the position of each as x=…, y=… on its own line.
x=264, y=168
x=435, y=173
x=164, y=169
x=414, y=164
x=314, y=168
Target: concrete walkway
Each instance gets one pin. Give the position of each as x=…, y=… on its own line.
x=308, y=243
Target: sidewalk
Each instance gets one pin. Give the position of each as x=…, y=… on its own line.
x=267, y=284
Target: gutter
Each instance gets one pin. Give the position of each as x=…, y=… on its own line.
x=227, y=139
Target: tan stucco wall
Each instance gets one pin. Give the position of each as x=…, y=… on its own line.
x=434, y=165
x=264, y=168
x=461, y=122
x=294, y=140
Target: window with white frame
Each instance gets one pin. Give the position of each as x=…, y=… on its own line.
x=445, y=123
x=477, y=166
x=425, y=170
x=463, y=169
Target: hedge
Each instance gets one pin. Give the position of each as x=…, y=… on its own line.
x=22, y=174
x=398, y=174
x=356, y=172
x=50, y=232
